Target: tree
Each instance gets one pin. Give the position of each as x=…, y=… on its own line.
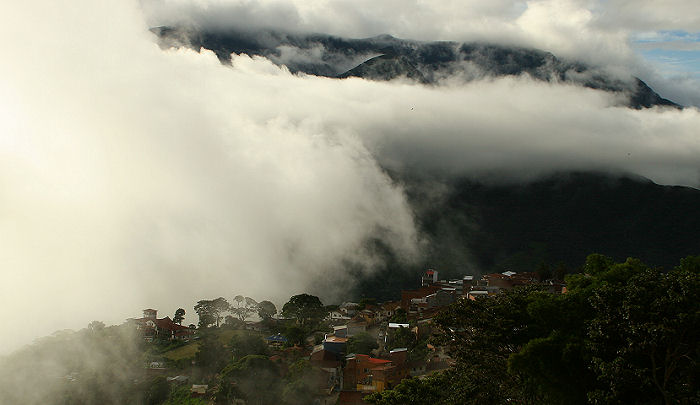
x=211, y=311
x=304, y=308
x=243, y=344
x=179, y=316
x=295, y=334
x=245, y=307
x=157, y=390
x=96, y=326
x=211, y=356
x=362, y=343
x=645, y=337
x=266, y=309
x=253, y=378
x=443, y=388
x=301, y=383
x=624, y=333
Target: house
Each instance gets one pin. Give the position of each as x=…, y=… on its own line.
x=408, y=295
x=510, y=279
x=350, y=329
x=388, y=309
x=335, y=344
x=337, y=316
x=331, y=365
x=369, y=374
x=153, y=328
x=474, y=294
x=349, y=308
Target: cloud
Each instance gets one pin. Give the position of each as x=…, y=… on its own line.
x=135, y=177
x=596, y=32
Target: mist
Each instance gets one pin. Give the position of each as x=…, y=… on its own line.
x=137, y=177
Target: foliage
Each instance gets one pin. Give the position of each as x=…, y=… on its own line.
x=305, y=308
x=399, y=316
x=645, y=337
x=300, y=383
x=624, y=333
x=211, y=311
x=362, y=343
x=244, y=307
x=295, y=334
x=252, y=378
x=157, y=390
x=179, y=316
x=211, y=356
x=244, y=344
x=400, y=337
x=182, y=396
x=93, y=366
x=266, y=309
x=444, y=388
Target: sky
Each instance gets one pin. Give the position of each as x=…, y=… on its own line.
x=136, y=177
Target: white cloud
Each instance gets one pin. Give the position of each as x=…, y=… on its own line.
x=134, y=177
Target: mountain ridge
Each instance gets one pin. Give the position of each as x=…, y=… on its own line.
x=385, y=57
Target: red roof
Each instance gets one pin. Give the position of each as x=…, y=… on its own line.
x=164, y=323
x=372, y=359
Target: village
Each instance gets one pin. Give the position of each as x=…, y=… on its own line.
x=354, y=350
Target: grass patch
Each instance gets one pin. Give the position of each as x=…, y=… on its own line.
x=183, y=352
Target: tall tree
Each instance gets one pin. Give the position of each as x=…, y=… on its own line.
x=362, y=343
x=244, y=307
x=211, y=311
x=252, y=378
x=304, y=308
x=243, y=344
x=645, y=338
x=179, y=316
x=266, y=309
x=211, y=356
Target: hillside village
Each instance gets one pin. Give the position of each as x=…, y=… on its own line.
x=355, y=349
x=615, y=332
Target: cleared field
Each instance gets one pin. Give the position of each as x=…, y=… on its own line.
x=189, y=350
x=183, y=352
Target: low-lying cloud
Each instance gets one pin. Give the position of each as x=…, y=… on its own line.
x=134, y=177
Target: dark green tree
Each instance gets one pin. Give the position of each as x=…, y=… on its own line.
x=179, y=316
x=266, y=309
x=362, y=343
x=645, y=337
x=295, y=334
x=157, y=390
x=244, y=344
x=301, y=383
x=243, y=307
x=254, y=379
x=305, y=308
x=211, y=355
x=211, y=311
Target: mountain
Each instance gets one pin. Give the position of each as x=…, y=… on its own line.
x=473, y=226
x=561, y=219
x=385, y=58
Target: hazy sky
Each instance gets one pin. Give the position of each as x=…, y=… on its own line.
x=134, y=177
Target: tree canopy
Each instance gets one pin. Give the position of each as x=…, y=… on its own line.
x=211, y=311
x=623, y=333
x=179, y=316
x=304, y=308
x=266, y=309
